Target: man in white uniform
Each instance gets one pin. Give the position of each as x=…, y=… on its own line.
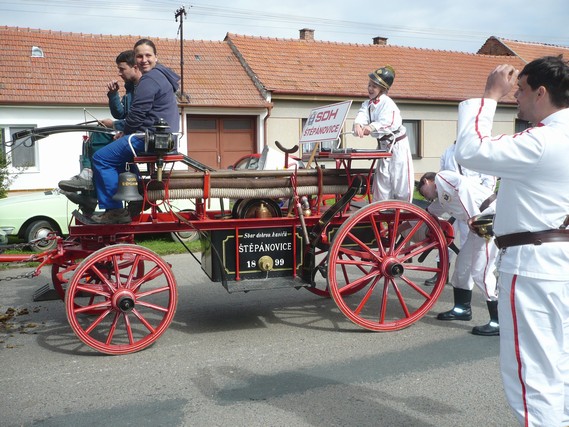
x=448, y=162
x=380, y=117
x=464, y=198
x=532, y=205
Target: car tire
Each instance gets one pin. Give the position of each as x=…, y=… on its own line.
x=185, y=236
x=38, y=229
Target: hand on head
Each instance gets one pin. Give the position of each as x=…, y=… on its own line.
x=500, y=81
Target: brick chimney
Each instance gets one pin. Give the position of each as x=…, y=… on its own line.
x=306, y=34
x=380, y=40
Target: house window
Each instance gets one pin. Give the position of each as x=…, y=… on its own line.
x=21, y=153
x=413, y=134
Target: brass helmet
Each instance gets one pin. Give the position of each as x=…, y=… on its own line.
x=483, y=225
x=383, y=76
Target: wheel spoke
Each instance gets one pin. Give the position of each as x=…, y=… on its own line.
x=401, y=300
x=103, y=277
x=143, y=321
x=112, y=329
x=414, y=286
x=151, y=275
x=128, y=329
x=377, y=234
x=153, y=292
x=92, y=308
x=97, y=321
x=356, y=283
x=133, y=270
x=152, y=306
x=366, y=297
x=93, y=290
x=362, y=245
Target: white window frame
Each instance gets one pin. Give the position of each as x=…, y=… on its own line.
x=7, y=131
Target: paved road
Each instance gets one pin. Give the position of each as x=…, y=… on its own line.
x=264, y=358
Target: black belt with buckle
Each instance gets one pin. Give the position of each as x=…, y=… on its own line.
x=532, y=238
x=389, y=137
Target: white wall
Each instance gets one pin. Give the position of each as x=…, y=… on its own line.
x=57, y=155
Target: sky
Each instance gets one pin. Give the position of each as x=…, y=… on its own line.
x=459, y=25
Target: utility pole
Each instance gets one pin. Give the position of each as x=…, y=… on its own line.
x=181, y=13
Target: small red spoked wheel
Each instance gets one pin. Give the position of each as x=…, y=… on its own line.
x=62, y=271
x=373, y=271
x=131, y=290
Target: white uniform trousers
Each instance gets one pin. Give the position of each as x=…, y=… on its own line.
x=534, y=323
x=394, y=176
x=475, y=264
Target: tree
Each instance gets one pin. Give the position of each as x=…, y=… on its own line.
x=4, y=178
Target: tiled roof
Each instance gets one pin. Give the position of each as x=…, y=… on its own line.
x=526, y=51
x=76, y=68
x=308, y=67
x=237, y=71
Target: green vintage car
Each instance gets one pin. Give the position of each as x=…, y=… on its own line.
x=34, y=215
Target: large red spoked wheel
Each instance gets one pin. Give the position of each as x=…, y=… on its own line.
x=373, y=271
x=133, y=309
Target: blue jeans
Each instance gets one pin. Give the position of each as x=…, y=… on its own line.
x=108, y=163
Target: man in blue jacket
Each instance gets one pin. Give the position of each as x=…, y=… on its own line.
x=154, y=100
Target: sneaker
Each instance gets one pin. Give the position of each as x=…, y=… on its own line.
x=76, y=183
x=112, y=216
x=86, y=203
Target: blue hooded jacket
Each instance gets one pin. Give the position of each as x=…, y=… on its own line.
x=154, y=99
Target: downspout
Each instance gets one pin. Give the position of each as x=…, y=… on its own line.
x=263, y=119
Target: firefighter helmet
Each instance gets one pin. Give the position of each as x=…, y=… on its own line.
x=383, y=76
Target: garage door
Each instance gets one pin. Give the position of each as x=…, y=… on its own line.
x=220, y=141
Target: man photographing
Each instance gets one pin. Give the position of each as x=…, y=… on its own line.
x=531, y=212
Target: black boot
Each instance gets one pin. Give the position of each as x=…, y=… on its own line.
x=493, y=327
x=435, y=278
x=461, y=309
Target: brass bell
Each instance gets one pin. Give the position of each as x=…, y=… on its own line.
x=128, y=188
x=262, y=211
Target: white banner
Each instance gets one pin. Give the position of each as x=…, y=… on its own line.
x=325, y=123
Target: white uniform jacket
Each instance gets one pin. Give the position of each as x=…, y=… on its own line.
x=383, y=117
x=394, y=176
x=459, y=196
x=448, y=162
x=534, y=188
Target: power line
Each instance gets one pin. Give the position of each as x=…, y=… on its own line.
x=156, y=10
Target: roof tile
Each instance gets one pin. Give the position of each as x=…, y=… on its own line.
x=289, y=66
x=76, y=67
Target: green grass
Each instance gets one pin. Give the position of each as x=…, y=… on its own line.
x=164, y=244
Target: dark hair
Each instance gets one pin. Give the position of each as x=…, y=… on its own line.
x=126, y=56
x=147, y=42
x=429, y=176
x=551, y=72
